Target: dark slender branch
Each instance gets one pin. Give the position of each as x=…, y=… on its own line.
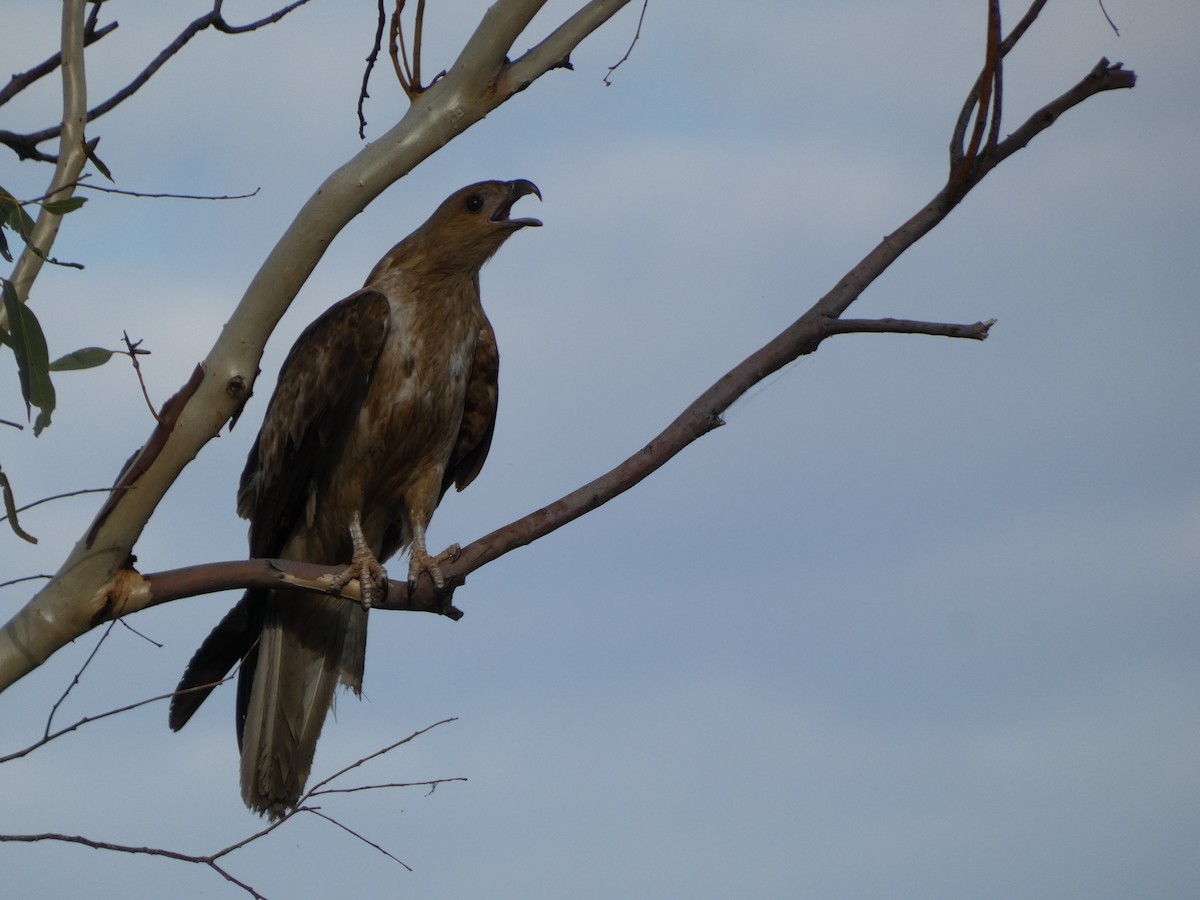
x=1105, y=76
x=637, y=33
x=977, y=331
x=24, y=578
x=75, y=680
x=957, y=151
x=208, y=861
x=132, y=351
x=166, y=196
x=380, y=24
x=220, y=24
x=61, y=496
x=313, y=810
x=87, y=720
x=1111, y=23
x=25, y=145
x=212, y=860
x=19, y=82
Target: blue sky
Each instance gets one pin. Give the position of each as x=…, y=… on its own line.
x=921, y=620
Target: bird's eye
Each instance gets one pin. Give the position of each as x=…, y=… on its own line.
x=474, y=203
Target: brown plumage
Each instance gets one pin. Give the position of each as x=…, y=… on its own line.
x=383, y=402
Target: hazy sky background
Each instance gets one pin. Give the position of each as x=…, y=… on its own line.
x=921, y=621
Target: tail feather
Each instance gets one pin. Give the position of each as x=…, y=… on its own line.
x=309, y=644
x=230, y=641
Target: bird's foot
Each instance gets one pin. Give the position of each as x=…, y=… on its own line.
x=365, y=568
x=420, y=561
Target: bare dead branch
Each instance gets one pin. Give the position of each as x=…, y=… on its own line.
x=61, y=496
x=23, y=578
x=380, y=24
x=313, y=810
x=637, y=33
x=977, y=331
x=87, y=720
x=22, y=80
x=408, y=75
x=133, y=352
x=431, y=784
x=208, y=861
x=75, y=680
x=212, y=860
x=167, y=196
x=26, y=145
x=321, y=785
x=991, y=63
x=1108, y=18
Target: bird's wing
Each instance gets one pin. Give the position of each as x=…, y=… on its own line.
x=479, y=413
x=320, y=391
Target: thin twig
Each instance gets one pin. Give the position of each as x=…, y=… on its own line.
x=61, y=496
x=431, y=784
x=636, y=35
x=75, y=679
x=313, y=810
x=1111, y=23
x=21, y=81
x=88, y=720
x=398, y=52
x=312, y=792
x=371, y=58
x=12, y=581
x=166, y=196
x=133, y=352
x=25, y=145
x=209, y=861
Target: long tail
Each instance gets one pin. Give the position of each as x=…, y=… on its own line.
x=225, y=646
x=308, y=645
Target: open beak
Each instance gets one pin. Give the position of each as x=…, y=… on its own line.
x=516, y=190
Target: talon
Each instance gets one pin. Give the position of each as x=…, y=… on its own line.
x=420, y=561
x=364, y=567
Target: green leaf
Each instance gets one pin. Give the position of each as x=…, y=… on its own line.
x=10, y=509
x=62, y=207
x=4, y=251
x=90, y=149
x=13, y=214
x=33, y=358
x=84, y=358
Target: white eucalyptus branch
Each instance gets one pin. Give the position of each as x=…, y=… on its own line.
x=71, y=154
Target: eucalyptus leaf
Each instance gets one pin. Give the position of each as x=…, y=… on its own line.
x=62, y=207
x=33, y=358
x=84, y=358
x=13, y=214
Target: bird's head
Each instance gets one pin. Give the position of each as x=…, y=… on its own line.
x=472, y=223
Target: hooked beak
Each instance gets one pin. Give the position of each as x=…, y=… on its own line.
x=516, y=190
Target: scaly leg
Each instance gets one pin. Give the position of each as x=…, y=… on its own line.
x=420, y=561
x=372, y=577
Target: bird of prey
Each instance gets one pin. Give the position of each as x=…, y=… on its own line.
x=384, y=401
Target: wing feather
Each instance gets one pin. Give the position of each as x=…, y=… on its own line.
x=320, y=391
x=479, y=413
